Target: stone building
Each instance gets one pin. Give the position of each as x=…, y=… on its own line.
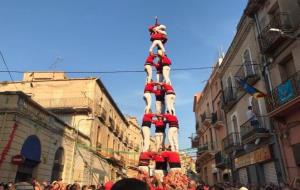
x=278, y=28
x=86, y=106
x=210, y=127
x=34, y=142
x=261, y=142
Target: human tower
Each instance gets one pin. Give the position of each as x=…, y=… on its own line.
x=164, y=115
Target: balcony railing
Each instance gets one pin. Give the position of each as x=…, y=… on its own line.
x=63, y=103
x=195, y=141
x=221, y=160
x=209, y=146
x=230, y=97
x=252, y=130
x=112, y=124
x=103, y=115
x=206, y=118
x=284, y=93
x=269, y=40
x=249, y=71
x=217, y=119
x=232, y=142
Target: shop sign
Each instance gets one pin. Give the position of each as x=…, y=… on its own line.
x=17, y=159
x=259, y=155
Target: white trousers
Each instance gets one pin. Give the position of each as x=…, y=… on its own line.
x=170, y=101
x=160, y=107
x=147, y=98
x=148, y=69
x=159, y=77
x=157, y=43
x=160, y=174
x=144, y=169
x=159, y=140
x=175, y=169
x=166, y=74
x=173, y=138
x=146, y=136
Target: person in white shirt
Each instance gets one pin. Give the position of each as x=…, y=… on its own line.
x=252, y=117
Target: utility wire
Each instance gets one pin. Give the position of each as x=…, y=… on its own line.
x=121, y=71
x=7, y=69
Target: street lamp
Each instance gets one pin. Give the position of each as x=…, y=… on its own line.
x=283, y=33
x=76, y=141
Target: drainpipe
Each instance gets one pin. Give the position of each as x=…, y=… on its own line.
x=269, y=89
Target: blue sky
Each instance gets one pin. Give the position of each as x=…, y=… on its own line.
x=102, y=35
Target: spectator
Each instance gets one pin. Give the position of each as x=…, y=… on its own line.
x=130, y=184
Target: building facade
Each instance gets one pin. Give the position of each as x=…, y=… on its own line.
x=210, y=128
x=260, y=145
x=86, y=105
x=278, y=24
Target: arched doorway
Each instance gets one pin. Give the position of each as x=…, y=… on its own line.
x=31, y=150
x=58, y=165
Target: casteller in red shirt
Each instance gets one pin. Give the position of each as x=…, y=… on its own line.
x=145, y=158
x=171, y=119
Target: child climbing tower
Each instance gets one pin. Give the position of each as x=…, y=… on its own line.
x=164, y=115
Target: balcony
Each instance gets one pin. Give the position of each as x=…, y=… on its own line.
x=206, y=151
x=126, y=141
x=112, y=124
x=232, y=142
x=71, y=104
x=249, y=71
x=253, y=6
x=221, y=160
x=270, y=40
x=206, y=119
x=117, y=131
x=285, y=98
x=195, y=141
x=103, y=115
x=217, y=120
x=252, y=130
x=230, y=98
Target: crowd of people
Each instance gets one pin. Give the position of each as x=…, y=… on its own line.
x=174, y=180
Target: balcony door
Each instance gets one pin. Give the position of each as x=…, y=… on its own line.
x=248, y=65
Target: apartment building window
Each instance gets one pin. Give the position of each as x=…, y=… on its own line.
x=247, y=62
x=229, y=86
x=235, y=124
x=287, y=68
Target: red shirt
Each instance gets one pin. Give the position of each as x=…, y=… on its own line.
x=158, y=67
x=166, y=61
x=159, y=93
x=145, y=158
x=172, y=157
x=168, y=88
x=159, y=123
x=149, y=87
x=158, y=36
x=150, y=59
x=148, y=117
x=159, y=158
x=171, y=119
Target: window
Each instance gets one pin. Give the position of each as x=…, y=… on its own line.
x=287, y=69
x=296, y=150
x=247, y=62
x=235, y=124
